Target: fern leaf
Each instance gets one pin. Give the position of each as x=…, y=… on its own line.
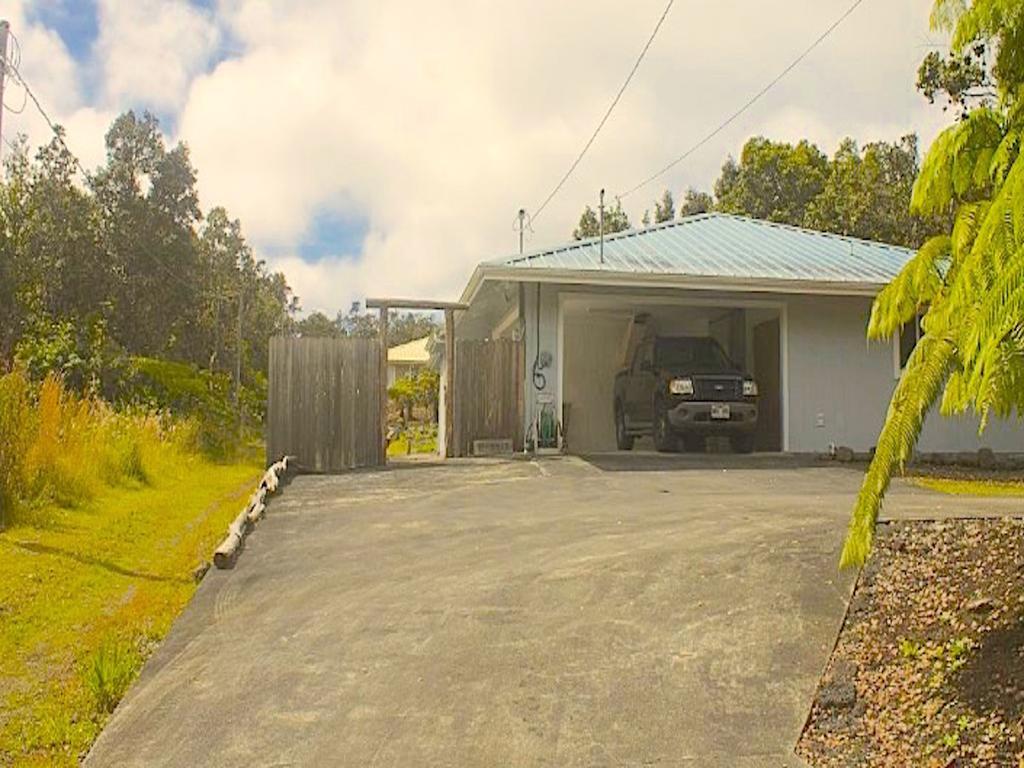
x=916, y=286
x=918, y=389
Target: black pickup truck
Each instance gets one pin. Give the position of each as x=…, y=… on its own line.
x=684, y=389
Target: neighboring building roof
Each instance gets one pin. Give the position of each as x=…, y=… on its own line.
x=414, y=352
x=718, y=245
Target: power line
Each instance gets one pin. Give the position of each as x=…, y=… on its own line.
x=753, y=100
x=607, y=114
x=19, y=110
x=12, y=67
x=53, y=127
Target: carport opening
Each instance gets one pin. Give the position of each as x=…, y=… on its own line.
x=601, y=336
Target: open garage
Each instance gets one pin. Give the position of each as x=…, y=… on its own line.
x=601, y=335
x=787, y=307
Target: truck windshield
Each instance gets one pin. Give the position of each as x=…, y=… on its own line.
x=691, y=352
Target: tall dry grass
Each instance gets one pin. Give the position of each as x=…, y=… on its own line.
x=59, y=448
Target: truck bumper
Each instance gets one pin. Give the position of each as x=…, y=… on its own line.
x=696, y=418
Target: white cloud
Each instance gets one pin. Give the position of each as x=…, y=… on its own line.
x=53, y=75
x=149, y=50
x=436, y=122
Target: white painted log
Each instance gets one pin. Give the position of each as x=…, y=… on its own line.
x=225, y=555
x=255, y=512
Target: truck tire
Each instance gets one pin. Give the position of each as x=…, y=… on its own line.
x=742, y=443
x=664, y=440
x=623, y=440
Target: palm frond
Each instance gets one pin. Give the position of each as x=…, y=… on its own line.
x=915, y=287
x=918, y=389
x=958, y=163
x=969, y=217
x=1000, y=309
x=945, y=14
x=1004, y=156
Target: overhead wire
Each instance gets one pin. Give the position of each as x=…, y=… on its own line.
x=607, y=114
x=11, y=66
x=16, y=74
x=747, y=105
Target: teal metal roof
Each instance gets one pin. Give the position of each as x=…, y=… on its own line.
x=723, y=245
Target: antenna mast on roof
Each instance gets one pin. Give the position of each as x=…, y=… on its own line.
x=600, y=226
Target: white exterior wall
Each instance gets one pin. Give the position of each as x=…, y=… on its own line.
x=549, y=338
x=842, y=382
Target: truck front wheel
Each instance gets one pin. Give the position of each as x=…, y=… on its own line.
x=664, y=439
x=623, y=440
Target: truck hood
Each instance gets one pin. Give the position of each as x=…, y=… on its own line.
x=691, y=371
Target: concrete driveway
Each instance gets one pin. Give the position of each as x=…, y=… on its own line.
x=624, y=611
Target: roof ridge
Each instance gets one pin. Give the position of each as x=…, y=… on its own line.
x=688, y=220
x=610, y=237
x=816, y=232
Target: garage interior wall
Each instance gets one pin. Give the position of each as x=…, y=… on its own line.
x=598, y=336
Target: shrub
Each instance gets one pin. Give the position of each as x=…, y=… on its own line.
x=110, y=671
x=56, y=446
x=189, y=392
x=16, y=431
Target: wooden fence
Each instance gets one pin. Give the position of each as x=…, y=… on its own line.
x=488, y=401
x=324, y=403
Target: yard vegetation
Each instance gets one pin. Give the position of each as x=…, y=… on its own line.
x=927, y=670
x=106, y=516
x=965, y=286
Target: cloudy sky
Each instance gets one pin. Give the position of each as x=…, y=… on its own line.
x=377, y=147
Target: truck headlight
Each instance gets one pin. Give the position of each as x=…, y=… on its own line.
x=750, y=388
x=681, y=386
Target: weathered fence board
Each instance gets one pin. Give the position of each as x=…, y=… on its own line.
x=488, y=394
x=323, y=403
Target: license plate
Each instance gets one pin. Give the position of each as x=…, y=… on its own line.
x=719, y=411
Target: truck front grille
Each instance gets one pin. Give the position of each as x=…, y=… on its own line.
x=711, y=388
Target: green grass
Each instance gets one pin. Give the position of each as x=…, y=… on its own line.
x=424, y=440
x=970, y=487
x=88, y=590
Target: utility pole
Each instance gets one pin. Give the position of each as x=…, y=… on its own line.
x=5, y=31
x=522, y=226
x=600, y=225
x=238, y=352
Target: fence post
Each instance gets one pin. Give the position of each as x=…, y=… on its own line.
x=449, y=400
x=384, y=385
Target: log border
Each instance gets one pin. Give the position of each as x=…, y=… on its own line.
x=225, y=556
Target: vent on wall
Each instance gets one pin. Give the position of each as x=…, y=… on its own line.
x=498, y=447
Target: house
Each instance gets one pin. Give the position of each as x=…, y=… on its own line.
x=408, y=359
x=791, y=305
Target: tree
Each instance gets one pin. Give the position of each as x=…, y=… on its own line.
x=774, y=181
x=867, y=195
x=318, y=325
x=968, y=284
x=664, y=209
x=125, y=265
x=615, y=220
x=694, y=202
x=409, y=326
x=149, y=207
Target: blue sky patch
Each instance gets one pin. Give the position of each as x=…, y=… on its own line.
x=76, y=22
x=332, y=234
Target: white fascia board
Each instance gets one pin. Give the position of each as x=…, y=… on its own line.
x=686, y=282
